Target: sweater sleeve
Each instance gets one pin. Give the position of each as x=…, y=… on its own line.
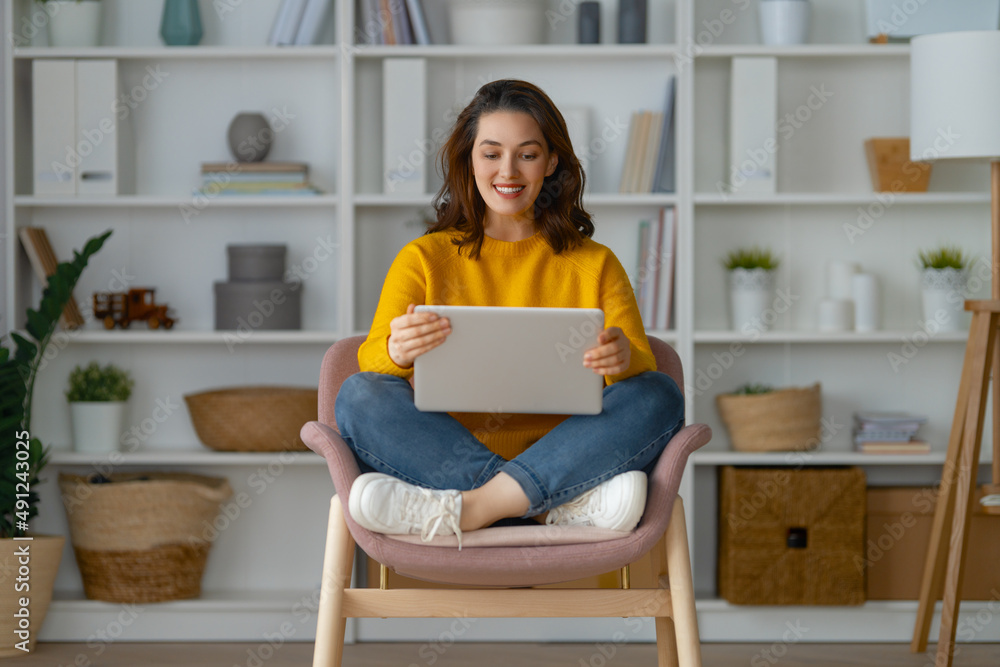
x=621, y=310
x=405, y=283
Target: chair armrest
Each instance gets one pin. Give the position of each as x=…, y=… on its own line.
x=665, y=479
x=326, y=442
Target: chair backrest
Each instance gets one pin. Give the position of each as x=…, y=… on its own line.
x=341, y=361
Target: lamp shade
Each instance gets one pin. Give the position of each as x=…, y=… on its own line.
x=955, y=96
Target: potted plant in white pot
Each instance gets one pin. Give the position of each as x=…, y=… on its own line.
x=73, y=23
x=98, y=398
x=751, y=273
x=944, y=281
x=23, y=458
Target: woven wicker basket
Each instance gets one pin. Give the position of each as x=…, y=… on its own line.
x=143, y=537
x=792, y=536
x=253, y=419
x=782, y=420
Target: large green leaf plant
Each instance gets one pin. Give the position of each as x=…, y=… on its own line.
x=22, y=456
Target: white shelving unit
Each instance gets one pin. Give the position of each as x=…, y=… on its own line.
x=264, y=569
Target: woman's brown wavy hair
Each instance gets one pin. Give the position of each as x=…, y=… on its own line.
x=559, y=212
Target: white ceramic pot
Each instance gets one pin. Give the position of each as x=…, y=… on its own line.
x=943, y=292
x=497, y=22
x=74, y=24
x=751, y=292
x=784, y=21
x=97, y=425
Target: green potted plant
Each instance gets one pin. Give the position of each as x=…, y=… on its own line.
x=24, y=457
x=98, y=398
x=944, y=281
x=751, y=273
x=73, y=23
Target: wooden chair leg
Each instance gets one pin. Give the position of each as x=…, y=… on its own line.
x=666, y=642
x=338, y=564
x=685, y=615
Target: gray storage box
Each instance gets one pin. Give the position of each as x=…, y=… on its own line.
x=256, y=262
x=258, y=306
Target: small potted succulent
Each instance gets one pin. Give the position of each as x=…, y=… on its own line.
x=751, y=286
x=73, y=23
x=944, y=281
x=98, y=398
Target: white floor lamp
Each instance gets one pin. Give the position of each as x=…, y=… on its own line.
x=955, y=114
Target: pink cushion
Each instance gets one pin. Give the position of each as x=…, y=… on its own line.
x=503, y=556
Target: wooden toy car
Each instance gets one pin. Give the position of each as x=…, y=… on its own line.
x=123, y=308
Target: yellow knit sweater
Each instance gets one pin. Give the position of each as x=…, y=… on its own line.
x=430, y=270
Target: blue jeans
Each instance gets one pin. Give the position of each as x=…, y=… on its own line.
x=379, y=422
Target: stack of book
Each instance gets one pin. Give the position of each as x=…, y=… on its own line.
x=888, y=433
x=393, y=22
x=299, y=22
x=649, y=156
x=256, y=178
x=654, y=280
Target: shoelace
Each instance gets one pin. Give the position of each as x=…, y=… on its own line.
x=578, y=511
x=435, y=510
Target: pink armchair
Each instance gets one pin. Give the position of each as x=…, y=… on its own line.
x=512, y=558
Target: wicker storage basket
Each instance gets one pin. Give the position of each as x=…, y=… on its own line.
x=253, y=419
x=143, y=537
x=782, y=420
x=792, y=536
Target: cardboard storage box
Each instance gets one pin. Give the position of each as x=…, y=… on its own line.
x=792, y=536
x=899, y=529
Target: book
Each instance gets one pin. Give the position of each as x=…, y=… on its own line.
x=651, y=264
x=385, y=19
x=645, y=183
x=401, y=22
x=663, y=178
x=665, y=273
x=370, y=30
x=253, y=167
x=630, y=148
x=910, y=447
x=639, y=156
x=44, y=262
x=312, y=23
x=286, y=22
x=642, y=273
x=418, y=19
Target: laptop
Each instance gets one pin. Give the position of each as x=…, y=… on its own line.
x=511, y=360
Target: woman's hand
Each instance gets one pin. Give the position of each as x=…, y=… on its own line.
x=415, y=333
x=612, y=355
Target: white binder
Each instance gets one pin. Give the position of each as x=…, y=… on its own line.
x=53, y=98
x=406, y=153
x=752, y=137
x=102, y=134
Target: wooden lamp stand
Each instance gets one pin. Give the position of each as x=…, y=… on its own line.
x=944, y=567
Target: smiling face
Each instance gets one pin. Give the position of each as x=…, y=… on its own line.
x=510, y=160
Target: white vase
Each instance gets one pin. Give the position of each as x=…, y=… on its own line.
x=497, y=22
x=74, y=24
x=784, y=21
x=943, y=292
x=97, y=425
x=750, y=294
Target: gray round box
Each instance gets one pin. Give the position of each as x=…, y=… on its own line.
x=263, y=305
x=256, y=262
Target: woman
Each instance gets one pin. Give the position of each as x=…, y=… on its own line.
x=510, y=231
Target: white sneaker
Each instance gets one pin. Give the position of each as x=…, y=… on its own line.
x=616, y=504
x=383, y=504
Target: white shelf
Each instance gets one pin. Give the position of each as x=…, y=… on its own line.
x=818, y=337
x=179, y=337
x=803, y=51
x=184, y=53
x=194, y=201
x=173, y=457
x=842, y=198
x=819, y=458
x=593, y=199
x=451, y=51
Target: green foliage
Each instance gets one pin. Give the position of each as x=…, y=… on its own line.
x=751, y=389
x=750, y=258
x=944, y=257
x=18, y=371
x=94, y=382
